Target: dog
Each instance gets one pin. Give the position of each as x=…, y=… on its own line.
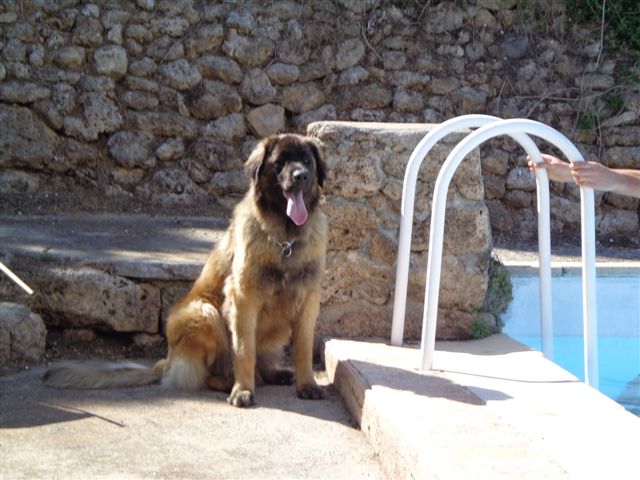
x=259, y=289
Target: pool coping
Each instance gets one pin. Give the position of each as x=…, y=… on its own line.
x=564, y=267
x=491, y=408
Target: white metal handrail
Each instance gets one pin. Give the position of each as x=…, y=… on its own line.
x=406, y=223
x=517, y=129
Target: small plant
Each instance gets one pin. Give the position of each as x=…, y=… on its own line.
x=45, y=255
x=499, y=294
x=613, y=102
x=587, y=121
x=481, y=328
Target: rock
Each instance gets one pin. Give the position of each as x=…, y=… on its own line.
x=366, y=97
x=100, y=112
x=595, y=81
x=22, y=334
x=180, y=74
x=84, y=297
x=143, y=84
x=256, y=88
x=407, y=102
x=111, y=61
x=226, y=129
x=19, y=92
x=229, y=183
x=16, y=181
x=353, y=76
x=325, y=112
x=139, y=33
x=131, y=148
x=515, y=47
x=249, y=51
x=87, y=32
x=520, y=178
x=25, y=140
x=214, y=155
x=143, y=67
x=350, y=223
x=139, y=100
x=349, y=53
x=164, y=124
x=266, y=120
x=242, y=21
x=114, y=34
x=283, y=74
x=618, y=222
x=64, y=98
x=221, y=68
x=165, y=49
x=170, y=149
x=301, y=97
x=213, y=99
x=69, y=57
x=471, y=99
x=393, y=60
x=205, y=39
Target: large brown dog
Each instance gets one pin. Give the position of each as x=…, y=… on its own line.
x=259, y=288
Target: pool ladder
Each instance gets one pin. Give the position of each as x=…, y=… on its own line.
x=519, y=130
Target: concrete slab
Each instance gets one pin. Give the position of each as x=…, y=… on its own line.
x=491, y=408
x=137, y=246
x=142, y=433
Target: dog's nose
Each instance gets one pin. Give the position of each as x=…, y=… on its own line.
x=301, y=175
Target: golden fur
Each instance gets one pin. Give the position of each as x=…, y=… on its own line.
x=259, y=288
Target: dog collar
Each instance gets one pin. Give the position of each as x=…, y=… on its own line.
x=286, y=248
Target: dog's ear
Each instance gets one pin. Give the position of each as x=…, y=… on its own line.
x=254, y=165
x=321, y=167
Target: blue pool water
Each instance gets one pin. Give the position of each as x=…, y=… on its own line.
x=618, y=300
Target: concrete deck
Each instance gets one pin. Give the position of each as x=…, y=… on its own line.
x=490, y=409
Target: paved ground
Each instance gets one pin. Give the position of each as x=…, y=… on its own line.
x=491, y=409
x=143, y=433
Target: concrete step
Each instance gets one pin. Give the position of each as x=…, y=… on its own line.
x=135, y=246
x=491, y=408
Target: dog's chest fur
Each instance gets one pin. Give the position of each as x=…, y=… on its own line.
x=286, y=277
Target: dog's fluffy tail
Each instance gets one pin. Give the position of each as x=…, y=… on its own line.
x=106, y=375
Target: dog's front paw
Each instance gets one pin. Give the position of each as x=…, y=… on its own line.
x=310, y=392
x=241, y=398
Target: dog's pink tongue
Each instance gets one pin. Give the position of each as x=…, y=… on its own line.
x=296, y=209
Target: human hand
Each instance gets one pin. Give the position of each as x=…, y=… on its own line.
x=557, y=169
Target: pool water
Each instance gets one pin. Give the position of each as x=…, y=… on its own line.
x=618, y=300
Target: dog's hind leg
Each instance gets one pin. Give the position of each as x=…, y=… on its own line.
x=196, y=337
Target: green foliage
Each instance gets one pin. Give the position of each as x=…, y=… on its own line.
x=45, y=255
x=621, y=17
x=499, y=293
x=587, y=120
x=613, y=102
x=481, y=328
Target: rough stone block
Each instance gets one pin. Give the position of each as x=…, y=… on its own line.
x=22, y=334
x=85, y=297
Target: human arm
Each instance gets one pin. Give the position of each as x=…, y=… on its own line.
x=592, y=175
x=598, y=176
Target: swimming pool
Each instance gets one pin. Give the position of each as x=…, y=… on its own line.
x=618, y=300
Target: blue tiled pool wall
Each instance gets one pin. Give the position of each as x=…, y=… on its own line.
x=618, y=328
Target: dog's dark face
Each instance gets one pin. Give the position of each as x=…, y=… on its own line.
x=287, y=174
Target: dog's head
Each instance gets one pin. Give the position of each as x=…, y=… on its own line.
x=287, y=173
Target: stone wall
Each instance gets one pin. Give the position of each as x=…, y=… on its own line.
x=368, y=161
x=152, y=105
